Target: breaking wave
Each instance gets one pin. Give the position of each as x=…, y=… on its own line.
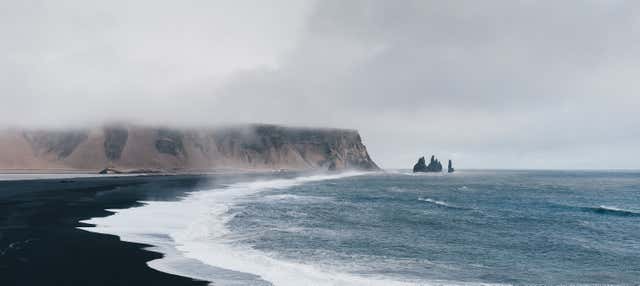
x=609, y=210
x=194, y=229
x=436, y=202
x=442, y=204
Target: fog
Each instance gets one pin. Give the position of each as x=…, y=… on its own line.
x=489, y=84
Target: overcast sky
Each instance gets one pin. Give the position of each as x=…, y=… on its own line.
x=490, y=84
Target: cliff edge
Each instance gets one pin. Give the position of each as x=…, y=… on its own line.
x=128, y=147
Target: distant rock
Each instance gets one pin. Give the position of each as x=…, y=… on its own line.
x=433, y=167
x=106, y=171
x=450, y=168
x=421, y=166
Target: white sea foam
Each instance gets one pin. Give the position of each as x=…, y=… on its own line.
x=296, y=198
x=618, y=210
x=193, y=236
x=440, y=203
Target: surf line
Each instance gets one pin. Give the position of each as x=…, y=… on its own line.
x=196, y=228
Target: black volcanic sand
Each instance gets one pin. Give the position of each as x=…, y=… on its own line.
x=41, y=245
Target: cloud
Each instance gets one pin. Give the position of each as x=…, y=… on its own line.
x=534, y=84
x=73, y=61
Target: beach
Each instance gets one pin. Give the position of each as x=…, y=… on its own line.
x=41, y=244
x=473, y=227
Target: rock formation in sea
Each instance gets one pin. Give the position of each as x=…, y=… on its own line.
x=421, y=166
x=124, y=148
x=450, y=168
x=434, y=165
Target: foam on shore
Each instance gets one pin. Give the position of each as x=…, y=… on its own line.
x=195, y=228
x=193, y=236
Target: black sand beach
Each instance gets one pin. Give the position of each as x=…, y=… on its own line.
x=40, y=244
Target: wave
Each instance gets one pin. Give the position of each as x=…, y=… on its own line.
x=194, y=230
x=608, y=210
x=602, y=209
x=442, y=204
x=295, y=198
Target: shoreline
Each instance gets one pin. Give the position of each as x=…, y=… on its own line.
x=156, y=171
x=40, y=232
x=46, y=228
x=178, y=235
x=48, y=174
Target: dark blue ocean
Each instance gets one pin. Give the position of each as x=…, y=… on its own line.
x=506, y=227
x=551, y=227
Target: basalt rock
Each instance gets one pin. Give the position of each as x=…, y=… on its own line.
x=421, y=166
x=433, y=167
x=450, y=168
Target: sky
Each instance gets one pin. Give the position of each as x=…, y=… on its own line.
x=490, y=84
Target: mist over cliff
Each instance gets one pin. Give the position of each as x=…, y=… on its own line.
x=128, y=147
x=489, y=84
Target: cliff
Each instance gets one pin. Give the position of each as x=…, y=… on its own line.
x=127, y=147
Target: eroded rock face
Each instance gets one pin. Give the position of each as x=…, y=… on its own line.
x=59, y=143
x=170, y=142
x=450, y=167
x=115, y=138
x=245, y=147
x=270, y=146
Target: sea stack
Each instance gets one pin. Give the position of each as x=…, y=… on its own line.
x=421, y=166
x=450, y=168
x=433, y=167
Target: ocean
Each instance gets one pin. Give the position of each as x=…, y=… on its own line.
x=397, y=228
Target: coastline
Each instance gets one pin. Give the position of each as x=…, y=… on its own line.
x=161, y=229
x=54, y=174
x=179, y=236
x=40, y=230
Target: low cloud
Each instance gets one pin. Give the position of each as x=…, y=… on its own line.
x=492, y=84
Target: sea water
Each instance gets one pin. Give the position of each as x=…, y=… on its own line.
x=399, y=228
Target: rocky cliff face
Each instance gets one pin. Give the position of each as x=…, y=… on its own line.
x=136, y=147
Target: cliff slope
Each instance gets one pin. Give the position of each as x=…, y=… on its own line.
x=184, y=149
